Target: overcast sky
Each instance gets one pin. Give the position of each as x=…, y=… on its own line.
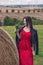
x=16, y=2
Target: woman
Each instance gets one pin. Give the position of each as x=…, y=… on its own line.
x=24, y=46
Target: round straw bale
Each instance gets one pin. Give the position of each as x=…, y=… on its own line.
x=8, y=50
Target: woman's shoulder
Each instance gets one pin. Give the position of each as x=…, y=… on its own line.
x=21, y=27
x=34, y=30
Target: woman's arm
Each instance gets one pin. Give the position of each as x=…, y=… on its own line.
x=18, y=34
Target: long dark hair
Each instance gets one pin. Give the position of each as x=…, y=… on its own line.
x=29, y=21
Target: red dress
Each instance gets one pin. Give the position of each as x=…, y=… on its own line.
x=25, y=50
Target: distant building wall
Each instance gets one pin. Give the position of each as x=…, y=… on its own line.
x=21, y=12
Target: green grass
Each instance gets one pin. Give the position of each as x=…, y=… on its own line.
x=38, y=60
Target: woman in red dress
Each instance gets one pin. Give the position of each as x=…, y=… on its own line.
x=24, y=46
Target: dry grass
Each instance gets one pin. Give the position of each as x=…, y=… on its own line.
x=8, y=50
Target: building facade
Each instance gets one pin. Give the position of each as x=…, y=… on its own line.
x=19, y=13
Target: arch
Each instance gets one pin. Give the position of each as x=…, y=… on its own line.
x=18, y=11
x=12, y=10
x=0, y=11
x=6, y=11
x=34, y=11
x=29, y=10
x=38, y=10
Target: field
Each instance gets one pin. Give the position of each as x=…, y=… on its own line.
x=38, y=60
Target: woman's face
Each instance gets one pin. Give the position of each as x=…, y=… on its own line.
x=25, y=23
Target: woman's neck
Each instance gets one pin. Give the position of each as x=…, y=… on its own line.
x=27, y=27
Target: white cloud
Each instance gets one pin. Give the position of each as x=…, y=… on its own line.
x=14, y=2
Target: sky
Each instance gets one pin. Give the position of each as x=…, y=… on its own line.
x=22, y=2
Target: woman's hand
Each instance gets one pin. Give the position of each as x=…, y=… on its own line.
x=15, y=31
x=33, y=51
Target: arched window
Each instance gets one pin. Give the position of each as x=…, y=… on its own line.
x=33, y=11
x=0, y=11
x=28, y=10
x=23, y=11
x=12, y=10
x=41, y=10
x=18, y=11
x=6, y=11
x=38, y=10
